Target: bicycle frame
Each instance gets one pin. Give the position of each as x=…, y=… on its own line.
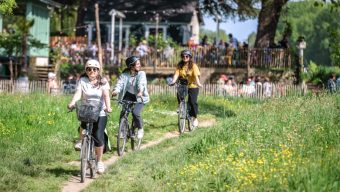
x=183, y=115
x=126, y=132
x=87, y=153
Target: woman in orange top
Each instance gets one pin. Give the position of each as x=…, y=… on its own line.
x=187, y=72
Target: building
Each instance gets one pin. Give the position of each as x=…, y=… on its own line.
x=39, y=11
x=179, y=20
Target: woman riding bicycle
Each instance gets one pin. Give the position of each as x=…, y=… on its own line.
x=132, y=86
x=92, y=86
x=187, y=72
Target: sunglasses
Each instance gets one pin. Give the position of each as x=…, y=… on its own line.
x=94, y=69
x=185, y=56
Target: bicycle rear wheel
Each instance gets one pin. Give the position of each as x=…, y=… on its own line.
x=182, y=117
x=83, y=158
x=93, y=161
x=122, y=136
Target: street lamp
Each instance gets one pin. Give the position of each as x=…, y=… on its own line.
x=301, y=45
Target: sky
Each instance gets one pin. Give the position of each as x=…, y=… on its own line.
x=240, y=30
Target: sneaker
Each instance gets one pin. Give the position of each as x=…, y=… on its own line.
x=77, y=146
x=100, y=167
x=140, y=133
x=195, y=122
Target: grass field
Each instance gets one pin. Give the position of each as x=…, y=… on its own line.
x=287, y=144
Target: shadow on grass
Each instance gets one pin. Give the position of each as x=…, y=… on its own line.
x=61, y=171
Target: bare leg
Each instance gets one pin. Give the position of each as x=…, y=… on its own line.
x=99, y=153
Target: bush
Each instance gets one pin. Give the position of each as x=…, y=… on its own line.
x=66, y=69
x=318, y=75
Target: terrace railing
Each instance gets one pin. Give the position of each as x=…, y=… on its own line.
x=258, y=92
x=211, y=57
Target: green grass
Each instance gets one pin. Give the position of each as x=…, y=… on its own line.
x=287, y=144
x=280, y=145
x=37, y=135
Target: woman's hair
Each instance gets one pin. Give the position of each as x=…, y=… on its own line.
x=181, y=64
x=100, y=80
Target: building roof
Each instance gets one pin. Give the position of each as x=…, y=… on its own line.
x=52, y=3
x=178, y=11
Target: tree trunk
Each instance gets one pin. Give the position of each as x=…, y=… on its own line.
x=268, y=19
x=80, y=17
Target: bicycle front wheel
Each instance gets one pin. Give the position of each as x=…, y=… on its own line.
x=122, y=136
x=83, y=158
x=93, y=161
x=182, y=117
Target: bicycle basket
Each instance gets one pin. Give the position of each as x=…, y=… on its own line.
x=88, y=111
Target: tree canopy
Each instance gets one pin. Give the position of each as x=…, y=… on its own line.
x=319, y=25
x=7, y=6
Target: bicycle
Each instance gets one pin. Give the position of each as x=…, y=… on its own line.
x=126, y=132
x=183, y=112
x=88, y=112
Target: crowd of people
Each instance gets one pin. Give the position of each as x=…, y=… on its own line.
x=249, y=87
x=208, y=52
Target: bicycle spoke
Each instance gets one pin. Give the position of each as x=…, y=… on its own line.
x=182, y=117
x=92, y=160
x=83, y=159
x=122, y=136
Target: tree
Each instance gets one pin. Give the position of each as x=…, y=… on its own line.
x=16, y=40
x=319, y=25
x=267, y=22
x=268, y=16
x=7, y=6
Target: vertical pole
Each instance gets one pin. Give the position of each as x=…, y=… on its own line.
x=100, y=54
x=113, y=37
x=157, y=22
x=89, y=34
x=120, y=33
x=127, y=33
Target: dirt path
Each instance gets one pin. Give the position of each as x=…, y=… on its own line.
x=74, y=185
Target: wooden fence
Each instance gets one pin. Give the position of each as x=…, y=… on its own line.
x=259, y=91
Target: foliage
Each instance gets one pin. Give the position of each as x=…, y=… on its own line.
x=12, y=39
x=63, y=20
x=318, y=74
x=161, y=43
x=230, y=9
x=133, y=41
x=212, y=35
x=318, y=25
x=7, y=6
x=67, y=69
x=334, y=46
